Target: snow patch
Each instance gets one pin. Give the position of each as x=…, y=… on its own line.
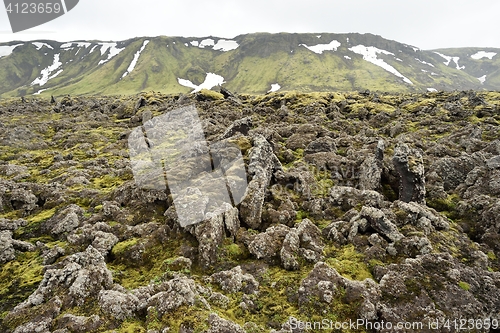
x=195, y=43
x=431, y=90
x=449, y=59
x=39, y=91
x=397, y=59
x=206, y=42
x=93, y=48
x=423, y=62
x=45, y=74
x=211, y=80
x=113, y=51
x=323, y=47
x=226, y=45
x=136, y=58
x=83, y=44
x=67, y=45
x=319, y=36
x=274, y=87
x=186, y=44
x=483, y=54
x=482, y=79
x=369, y=54
x=347, y=57
x=7, y=50
x=40, y=45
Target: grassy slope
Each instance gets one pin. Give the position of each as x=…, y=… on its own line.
x=260, y=60
x=477, y=68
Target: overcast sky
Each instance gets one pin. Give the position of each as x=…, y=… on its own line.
x=427, y=24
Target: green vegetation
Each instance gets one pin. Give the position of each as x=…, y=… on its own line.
x=464, y=285
x=260, y=61
x=88, y=161
x=349, y=263
x=19, y=279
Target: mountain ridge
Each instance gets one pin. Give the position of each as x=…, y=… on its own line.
x=250, y=63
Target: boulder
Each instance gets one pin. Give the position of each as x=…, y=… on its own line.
x=219, y=325
x=64, y=222
x=8, y=246
x=117, y=304
x=235, y=280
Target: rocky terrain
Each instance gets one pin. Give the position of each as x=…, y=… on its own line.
x=359, y=206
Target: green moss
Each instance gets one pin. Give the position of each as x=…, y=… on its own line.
x=130, y=326
x=491, y=256
x=349, y=263
x=464, y=285
x=301, y=215
x=234, y=251
x=121, y=247
x=19, y=278
x=299, y=153
x=42, y=216
x=211, y=95
x=189, y=317
x=323, y=183
x=107, y=183
x=152, y=267
x=446, y=206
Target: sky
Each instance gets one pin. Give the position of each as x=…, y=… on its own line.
x=427, y=24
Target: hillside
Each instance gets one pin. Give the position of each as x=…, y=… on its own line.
x=253, y=63
x=379, y=208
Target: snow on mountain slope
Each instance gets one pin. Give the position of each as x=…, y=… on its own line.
x=136, y=58
x=483, y=54
x=211, y=80
x=45, y=75
x=369, y=54
x=113, y=51
x=320, y=48
x=7, y=50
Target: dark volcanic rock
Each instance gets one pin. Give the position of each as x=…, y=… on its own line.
x=409, y=165
x=262, y=164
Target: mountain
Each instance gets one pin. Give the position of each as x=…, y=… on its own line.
x=252, y=63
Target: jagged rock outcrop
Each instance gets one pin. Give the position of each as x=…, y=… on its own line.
x=80, y=275
x=417, y=291
x=262, y=164
x=334, y=223
x=288, y=244
x=64, y=221
x=16, y=196
x=239, y=126
x=235, y=280
x=118, y=304
x=179, y=291
x=219, y=325
x=12, y=225
x=8, y=246
x=324, y=283
x=410, y=168
x=371, y=169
